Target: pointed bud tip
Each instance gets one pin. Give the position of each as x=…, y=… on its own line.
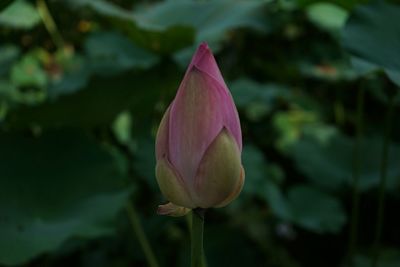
x=203, y=45
x=202, y=50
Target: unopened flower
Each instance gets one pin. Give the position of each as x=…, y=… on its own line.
x=199, y=141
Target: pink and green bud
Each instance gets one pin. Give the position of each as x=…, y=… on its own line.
x=199, y=141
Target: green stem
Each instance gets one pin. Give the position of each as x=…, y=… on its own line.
x=188, y=219
x=49, y=23
x=141, y=236
x=382, y=185
x=356, y=175
x=198, y=258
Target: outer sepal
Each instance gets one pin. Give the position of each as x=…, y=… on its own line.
x=170, y=209
x=220, y=175
x=172, y=185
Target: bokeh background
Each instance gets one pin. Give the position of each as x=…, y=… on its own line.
x=84, y=84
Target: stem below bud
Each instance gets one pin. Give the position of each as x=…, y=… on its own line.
x=198, y=258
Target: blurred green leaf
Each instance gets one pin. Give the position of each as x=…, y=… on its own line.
x=99, y=103
x=262, y=180
x=160, y=40
x=327, y=16
x=107, y=53
x=278, y=202
x=369, y=70
x=7, y=90
x=68, y=73
x=122, y=127
x=305, y=206
x=332, y=71
x=29, y=72
x=110, y=53
x=348, y=4
x=29, y=79
x=292, y=124
x=173, y=25
x=315, y=210
x=330, y=164
x=54, y=187
x=8, y=54
x=211, y=20
x=256, y=167
x=20, y=15
x=245, y=92
x=364, y=67
x=365, y=38
x=371, y=35
x=145, y=162
x=257, y=99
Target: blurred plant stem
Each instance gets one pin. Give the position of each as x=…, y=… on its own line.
x=382, y=184
x=141, y=236
x=198, y=257
x=49, y=23
x=356, y=175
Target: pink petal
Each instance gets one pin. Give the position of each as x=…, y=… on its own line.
x=162, y=136
x=204, y=60
x=200, y=110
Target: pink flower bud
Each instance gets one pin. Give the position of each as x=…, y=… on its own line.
x=199, y=141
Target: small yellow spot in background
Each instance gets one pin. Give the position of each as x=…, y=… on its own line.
x=84, y=26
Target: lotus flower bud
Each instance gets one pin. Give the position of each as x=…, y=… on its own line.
x=199, y=142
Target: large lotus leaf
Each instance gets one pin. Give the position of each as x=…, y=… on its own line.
x=107, y=54
x=363, y=67
x=52, y=188
x=145, y=162
x=305, y=206
x=111, y=52
x=262, y=179
x=101, y=101
x=258, y=100
x=161, y=40
x=20, y=15
x=255, y=166
x=210, y=19
x=316, y=210
x=330, y=163
x=372, y=34
x=348, y=4
x=172, y=25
